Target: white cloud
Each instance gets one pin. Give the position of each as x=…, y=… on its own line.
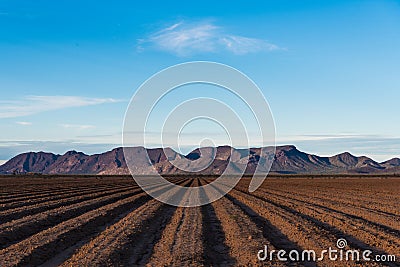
x=243, y=45
x=77, y=126
x=319, y=137
x=2, y=161
x=35, y=104
x=24, y=123
x=190, y=38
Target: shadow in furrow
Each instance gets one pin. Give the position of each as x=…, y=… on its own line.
x=270, y=231
x=352, y=241
x=380, y=226
x=216, y=252
x=40, y=255
x=143, y=242
x=75, y=237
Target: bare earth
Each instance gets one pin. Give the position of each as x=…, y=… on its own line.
x=110, y=221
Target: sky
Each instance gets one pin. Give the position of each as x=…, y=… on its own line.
x=328, y=69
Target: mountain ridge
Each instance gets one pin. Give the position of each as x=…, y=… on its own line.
x=287, y=159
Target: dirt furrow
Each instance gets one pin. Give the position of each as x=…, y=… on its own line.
x=389, y=224
x=17, y=230
x=181, y=238
x=111, y=246
x=369, y=204
x=38, y=248
x=109, y=221
x=18, y=213
x=130, y=241
x=372, y=198
x=285, y=231
x=307, y=231
x=379, y=236
x=243, y=237
x=64, y=194
x=15, y=196
x=45, y=194
x=83, y=239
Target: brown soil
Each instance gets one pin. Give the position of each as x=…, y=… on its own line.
x=110, y=221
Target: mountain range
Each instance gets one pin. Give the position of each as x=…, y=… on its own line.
x=287, y=159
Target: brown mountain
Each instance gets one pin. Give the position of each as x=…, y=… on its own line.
x=287, y=159
x=29, y=162
x=395, y=162
x=70, y=162
x=290, y=159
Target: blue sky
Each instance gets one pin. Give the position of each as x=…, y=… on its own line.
x=329, y=69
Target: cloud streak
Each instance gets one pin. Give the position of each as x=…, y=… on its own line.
x=378, y=147
x=77, y=126
x=184, y=39
x=36, y=104
x=24, y=123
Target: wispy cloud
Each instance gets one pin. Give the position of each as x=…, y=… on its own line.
x=242, y=45
x=322, y=137
x=185, y=39
x=24, y=123
x=35, y=104
x=77, y=126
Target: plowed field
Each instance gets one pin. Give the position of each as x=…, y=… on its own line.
x=110, y=221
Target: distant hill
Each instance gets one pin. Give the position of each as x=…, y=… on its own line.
x=287, y=159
